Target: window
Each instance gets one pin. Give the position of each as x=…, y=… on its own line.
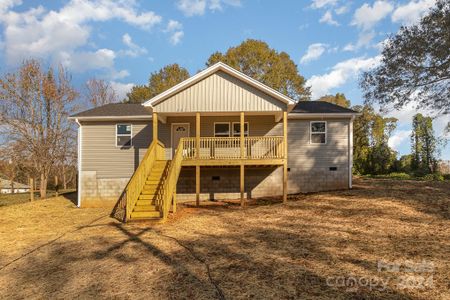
x=237, y=129
x=222, y=129
x=318, y=132
x=123, y=135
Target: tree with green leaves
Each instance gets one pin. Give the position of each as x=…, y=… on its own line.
x=138, y=94
x=404, y=164
x=415, y=65
x=275, y=69
x=158, y=82
x=371, y=131
x=338, y=99
x=424, y=145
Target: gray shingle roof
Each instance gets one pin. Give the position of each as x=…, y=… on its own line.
x=116, y=110
x=320, y=107
x=136, y=109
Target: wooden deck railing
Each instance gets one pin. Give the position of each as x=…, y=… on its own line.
x=134, y=187
x=255, y=147
x=170, y=182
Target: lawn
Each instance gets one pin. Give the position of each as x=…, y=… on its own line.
x=315, y=246
x=18, y=198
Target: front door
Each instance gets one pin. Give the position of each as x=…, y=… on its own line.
x=179, y=130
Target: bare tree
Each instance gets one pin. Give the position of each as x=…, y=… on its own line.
x=34, y=107
x=99, y=92
x=10, y=162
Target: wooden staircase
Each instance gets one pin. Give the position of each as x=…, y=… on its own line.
x=151, y=191
x=149, y=201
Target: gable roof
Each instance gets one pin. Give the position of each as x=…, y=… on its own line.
x=116, y=110
x=211, y=70
x=320, y=107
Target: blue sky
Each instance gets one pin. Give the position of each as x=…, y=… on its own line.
x=331, y=41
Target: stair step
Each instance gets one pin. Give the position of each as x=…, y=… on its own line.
x=148, y=191
x=153, y=182
x=147, y=196
x=145, y=201
x=145, y=214
x=146, y=207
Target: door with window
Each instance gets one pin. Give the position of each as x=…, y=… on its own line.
x=179, y=130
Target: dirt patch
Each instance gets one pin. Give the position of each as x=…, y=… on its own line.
x=267, y=250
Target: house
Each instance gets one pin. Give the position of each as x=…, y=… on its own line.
x=6, y=187
x=219, y=134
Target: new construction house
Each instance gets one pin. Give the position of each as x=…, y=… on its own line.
x=217, y=135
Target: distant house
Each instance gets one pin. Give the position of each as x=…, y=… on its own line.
x=6, y=187
x=217, y=135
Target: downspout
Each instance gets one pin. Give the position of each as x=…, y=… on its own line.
x=350, y=151
x=80, y=132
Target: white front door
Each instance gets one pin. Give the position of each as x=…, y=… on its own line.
x=179, y=130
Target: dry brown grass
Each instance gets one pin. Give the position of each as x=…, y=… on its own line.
x=267, y=250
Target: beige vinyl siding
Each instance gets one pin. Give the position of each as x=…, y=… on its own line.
x=220, y=92
x=100, y=154
x=258, y=126
x=306, y=156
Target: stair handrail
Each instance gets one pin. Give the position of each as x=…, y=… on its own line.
x=137, y=181
x=171, y=179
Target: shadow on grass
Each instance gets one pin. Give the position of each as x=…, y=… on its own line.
x=248, y=261
x=288, y=253
x=71, y=196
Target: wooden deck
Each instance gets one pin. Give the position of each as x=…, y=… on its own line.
x=229, y=151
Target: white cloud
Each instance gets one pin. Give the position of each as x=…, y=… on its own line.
x=323, y=3
x=175, y=30
x=173, y=25
x=314, y=52
x=119, y=74
x=86, y=60
x=340, y=74
x=342, y=10
x=121, y=89
x=192, y=7
x=133, y=49
x=176, y=37
x=364, y=40
x=367, y=16
x=5, y=5
x=349, y=47
x=215, y=5
x=328, y=19
x=60, y=34
x=399, y=138
x=412, y=11
x=198, y=7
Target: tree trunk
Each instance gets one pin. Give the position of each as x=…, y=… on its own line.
x=12, y=187
x=64, y=177
x=43, y=186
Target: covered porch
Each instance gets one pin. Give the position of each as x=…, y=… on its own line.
x=241, y=148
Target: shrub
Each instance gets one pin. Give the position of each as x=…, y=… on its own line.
x=434, y=176
x=446, y=176
x=399, y=175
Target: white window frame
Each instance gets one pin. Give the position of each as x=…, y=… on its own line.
x=311, y=133
x=248, y=129
x=131, y=135
x=229, y=128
